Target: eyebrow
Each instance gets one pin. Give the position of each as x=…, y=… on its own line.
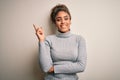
x=60, y=17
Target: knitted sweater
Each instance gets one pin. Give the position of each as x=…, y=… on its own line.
x=66, y=52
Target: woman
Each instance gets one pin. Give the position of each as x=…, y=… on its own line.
x=63, y=54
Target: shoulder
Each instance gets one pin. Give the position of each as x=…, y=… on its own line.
x=49, y=37
x=79, y=39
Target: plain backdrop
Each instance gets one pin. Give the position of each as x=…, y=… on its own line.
x=98, y=21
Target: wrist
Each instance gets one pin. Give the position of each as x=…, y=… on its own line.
x=41, y=40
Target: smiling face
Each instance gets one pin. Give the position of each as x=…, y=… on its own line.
x=62, y=21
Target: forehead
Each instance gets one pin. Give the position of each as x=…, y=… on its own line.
x=62, y=14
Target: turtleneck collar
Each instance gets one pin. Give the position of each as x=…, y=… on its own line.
x=63, y=35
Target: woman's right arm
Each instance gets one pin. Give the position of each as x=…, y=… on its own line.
x=44, y=51
x=45, y=57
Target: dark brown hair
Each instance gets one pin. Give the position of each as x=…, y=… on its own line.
x=56, y=9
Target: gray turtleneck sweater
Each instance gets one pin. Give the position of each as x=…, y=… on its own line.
x=66, y=52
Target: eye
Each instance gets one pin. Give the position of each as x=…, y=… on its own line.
x=66, y=18
x=58, y=20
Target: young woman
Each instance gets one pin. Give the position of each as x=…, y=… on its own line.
x=63, y=54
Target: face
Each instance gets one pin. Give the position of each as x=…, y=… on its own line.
x=62, y=21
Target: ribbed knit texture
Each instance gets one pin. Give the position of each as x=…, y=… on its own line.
x=66, y=52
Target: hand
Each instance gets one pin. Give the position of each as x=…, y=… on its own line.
x=51, y=70
x=39, y=32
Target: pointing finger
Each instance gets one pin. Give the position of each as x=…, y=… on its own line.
x=34, y=27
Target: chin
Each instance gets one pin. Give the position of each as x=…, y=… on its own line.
x=64, y=31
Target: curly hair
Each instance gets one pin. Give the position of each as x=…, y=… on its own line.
x=58, y=8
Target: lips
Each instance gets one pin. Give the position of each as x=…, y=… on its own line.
x=63, y=26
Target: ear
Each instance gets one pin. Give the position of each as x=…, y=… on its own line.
x=70, y=22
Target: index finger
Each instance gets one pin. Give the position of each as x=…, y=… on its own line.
x=34, y=27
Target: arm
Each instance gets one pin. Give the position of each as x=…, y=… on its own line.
x=74, y=67
x=44, y=56
x=44, y=50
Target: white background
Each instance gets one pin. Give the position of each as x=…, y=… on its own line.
x=98, y=21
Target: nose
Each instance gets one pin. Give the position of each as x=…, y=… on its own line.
x=62, y=21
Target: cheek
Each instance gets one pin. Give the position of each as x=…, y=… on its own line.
x=69, y=23
x=57, y=23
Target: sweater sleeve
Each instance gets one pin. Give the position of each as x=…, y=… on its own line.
x=44, y=56
x=79, y=65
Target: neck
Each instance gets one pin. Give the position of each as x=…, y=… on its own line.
x=63, y=34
